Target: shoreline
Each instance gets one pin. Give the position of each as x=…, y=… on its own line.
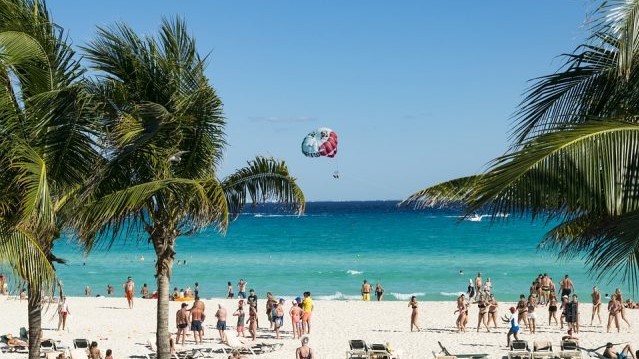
x=109, y=322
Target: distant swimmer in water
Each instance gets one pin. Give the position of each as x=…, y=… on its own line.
x=461, y=272
x=141, y=258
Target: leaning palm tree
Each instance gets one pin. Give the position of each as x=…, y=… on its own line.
x=575, y=152
x=163, y=142
x=46, y=140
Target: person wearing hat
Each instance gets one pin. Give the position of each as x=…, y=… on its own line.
x=514, y=325
x=625, y=353
x=182, y=322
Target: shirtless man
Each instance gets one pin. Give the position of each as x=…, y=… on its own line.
x=596, y=304
x=366, y=291
x=221, y=322
x=197, y=317
x=182, y=322
x=625, y=353
x=129, y=287
x=109, y=289
x=241, y=285
x=566, y=286
x=545, y=289
x=478, y=285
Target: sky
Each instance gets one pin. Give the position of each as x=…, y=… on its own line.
x=418, y=92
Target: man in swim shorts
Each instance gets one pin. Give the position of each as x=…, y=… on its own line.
x=366, y=291
x=566, y=286
x=626, y=352
x=197, y=317
x=129, y=287
x=221, y=322
x=307, y=308
x=182, y=322
x=478, y=285
x=241, y=289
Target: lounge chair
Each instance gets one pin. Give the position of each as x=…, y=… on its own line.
x=24, y=334
x=379, y=351
x=11, y=348
x=234, y=343
x=358, y=350
x=569, y=350
x=519, y=350
x=542, y=350
x=150, y=344
x=81, y=343
x=53, y=355
x=463, y=355
x=47, y=346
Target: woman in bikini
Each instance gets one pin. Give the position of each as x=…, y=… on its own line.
x=304, y=352
x=613, y=313
x=552, y=309
x=414, y=314
x=379, y=292
x=532, y=316
x=462, y=317
x=252, y=321
x=492, y=311
x=622, y=308
x=482, y=304
x=296, y=319
x=596, y=304
x=522, y=309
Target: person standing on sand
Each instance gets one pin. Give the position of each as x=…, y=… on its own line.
x=307, y=307
x=596, y=305
x=87, y=291
x=522, y=309
x=239, y=313
x=182, y=322
x=462, y=309
x=129, y=287
x=241, y=289
x=470, y=293
x=414, y=315
x=531, y=316
x=304, y=352
x=221, y=322
x=492, y=310
x=197, y=317
x=478, y=285
x=622, y=308
x=552, y=308
x=229, y=291
x=278, y=314
x=566, y=286
x=296, y=319
x=613, y=313
x=144, y=292
x=251, y=300
x=514, y=325
x=109, y=289
x=379, y=292
x=63, y=311
x=366, y=291
x=252, y=321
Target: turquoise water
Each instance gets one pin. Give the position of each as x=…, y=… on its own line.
x=332, y=249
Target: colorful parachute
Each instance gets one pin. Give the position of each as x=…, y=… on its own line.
x=321, y=142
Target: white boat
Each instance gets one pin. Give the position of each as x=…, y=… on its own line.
x=475, y=218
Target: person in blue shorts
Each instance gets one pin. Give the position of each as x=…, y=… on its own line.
x=514, y=325
x=626, y=353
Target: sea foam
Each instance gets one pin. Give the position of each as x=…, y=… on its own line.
x=354, y=272
x=404, y=296
x=339, y=296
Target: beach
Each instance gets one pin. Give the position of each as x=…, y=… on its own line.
x=110, y=323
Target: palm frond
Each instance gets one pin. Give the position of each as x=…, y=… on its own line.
x=442, y=194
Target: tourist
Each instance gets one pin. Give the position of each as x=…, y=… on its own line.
x=522, y=310
x=569, y=336
x=482, y=304
x=379, y=292
x=197, y=317
x=596, y=304
x=129, y=287
x=470, y=292
x=564, y=307
x=241, y=289
x=307, y=307
x=278, y=317
x=414, y=315
x=566, y=286
x=23, y=294
x=229, y=291
x=196, y=289
x=622, y=310
x=87, y=291
x=109, y=289
x=270, y=301
x=239, y=313
x=552, y=308
x=144, y=291
x=221, y=322
x=478, y=285
x=462, y=317
x=492, y=311
x=304, y=352
x=626, y=352
x=488, y=286
x=182, y=322
x=63, y=312
x=531, y=316
x=514, y=325
x=109, y=354
x=572, y=314
x=366, y=291
x=94, y=352
x=613, y=312
x=545, y=290
x=296, y=319
x=252, y=321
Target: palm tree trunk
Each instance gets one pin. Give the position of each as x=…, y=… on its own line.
x=35, y=320
x=165, y=250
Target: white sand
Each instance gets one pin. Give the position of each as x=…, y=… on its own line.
x=109, y=322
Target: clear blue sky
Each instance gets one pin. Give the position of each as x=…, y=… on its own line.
x=418, y=91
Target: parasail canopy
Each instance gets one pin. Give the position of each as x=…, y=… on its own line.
x=321, y=142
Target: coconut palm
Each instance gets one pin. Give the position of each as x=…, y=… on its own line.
x=575, y=153
x=46, y=146
x=164, y=142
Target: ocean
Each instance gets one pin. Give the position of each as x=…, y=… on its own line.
x=332, y=249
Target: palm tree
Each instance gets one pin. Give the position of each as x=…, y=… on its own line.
x=164, y=142
x=575, y=152
x=46, y=146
